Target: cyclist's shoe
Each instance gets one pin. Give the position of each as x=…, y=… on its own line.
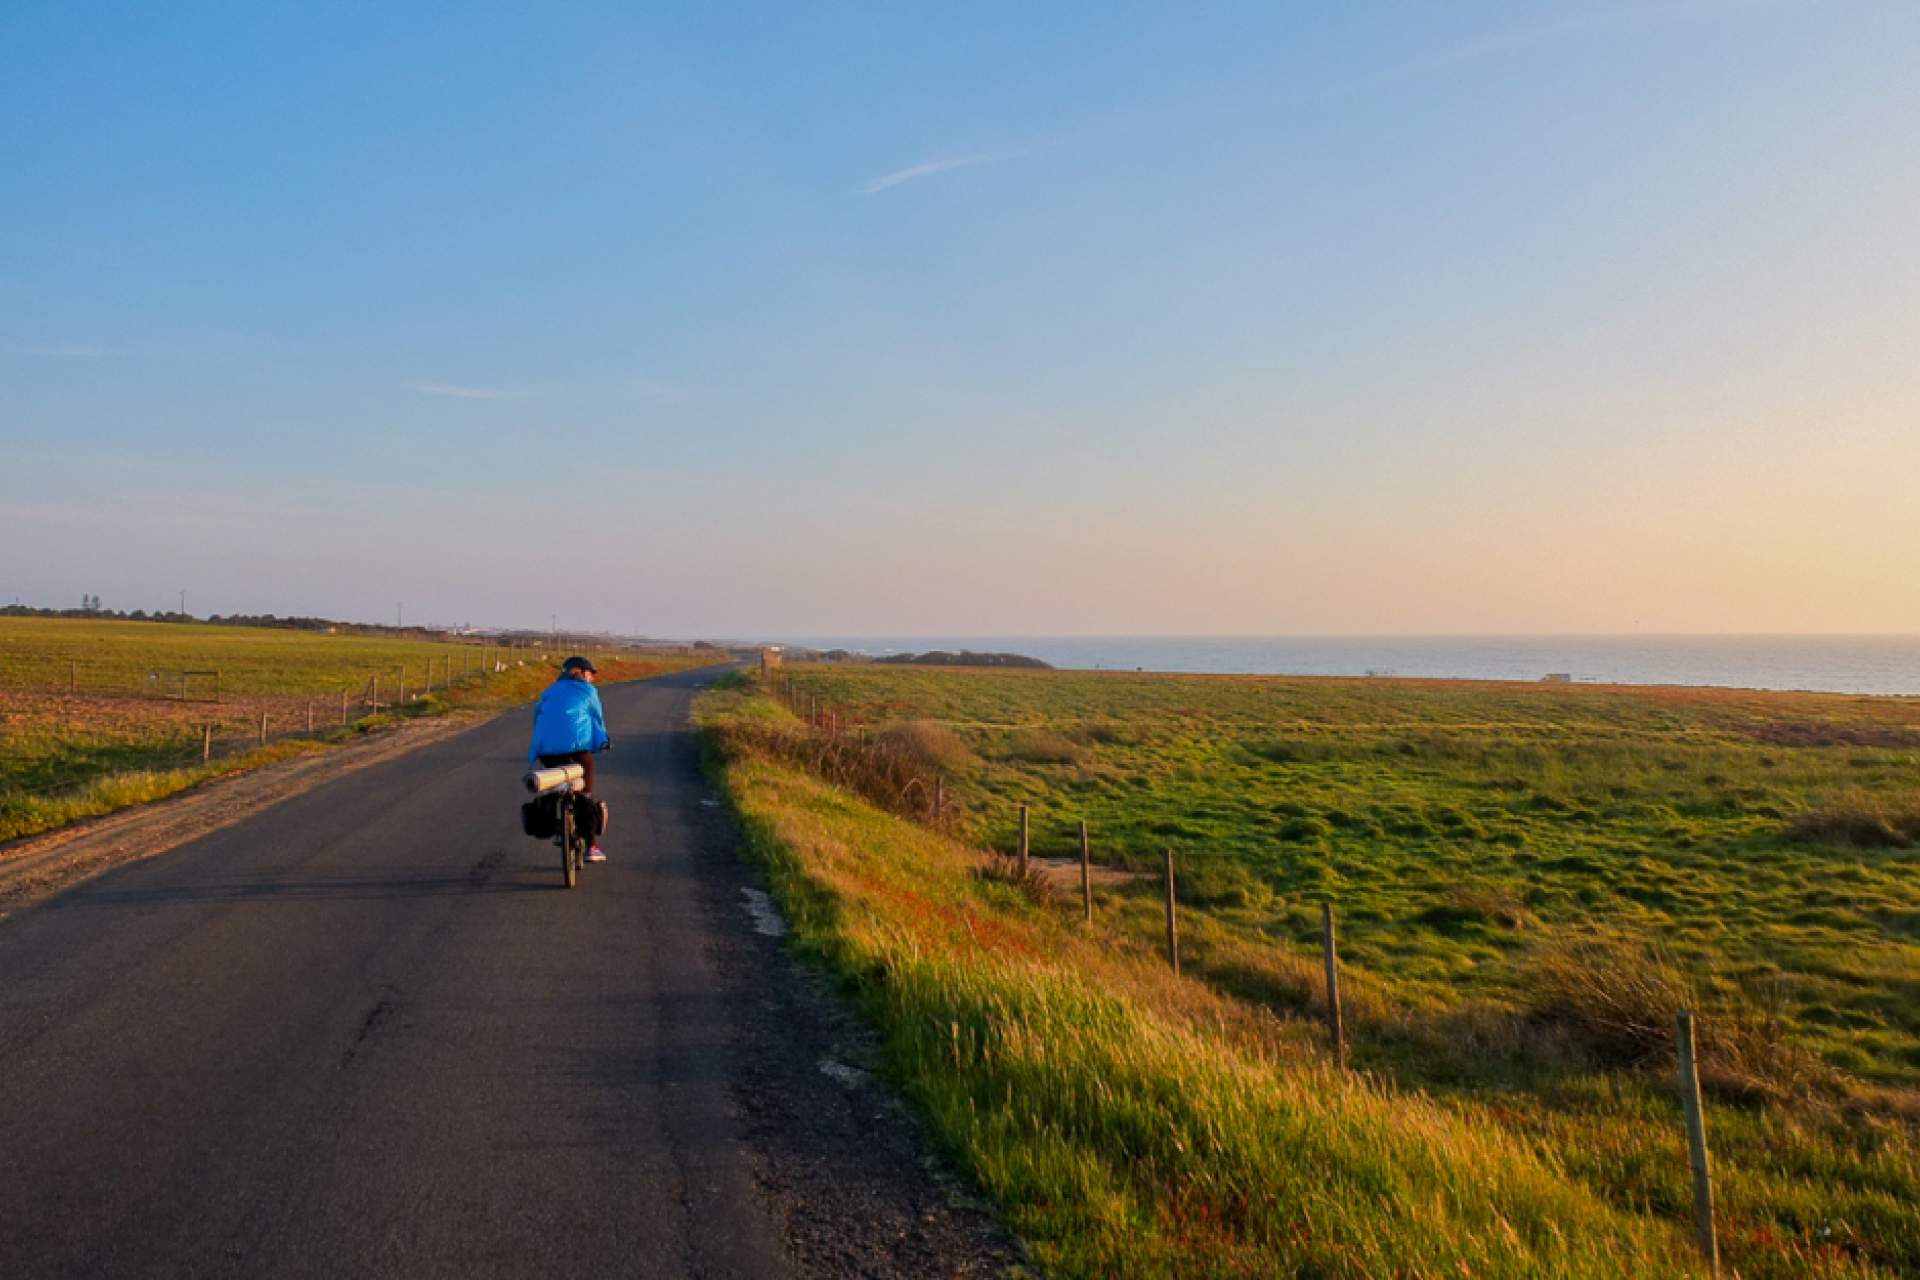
x=594, y=854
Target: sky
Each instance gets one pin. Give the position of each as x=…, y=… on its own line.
x=756, y=320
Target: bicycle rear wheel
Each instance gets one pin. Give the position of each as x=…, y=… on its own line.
x=569, y=863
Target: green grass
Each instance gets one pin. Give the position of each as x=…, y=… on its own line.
x=119, y=740
x=1514, y=867
x=1134, y=1124
x=1451, y=823
x=112, y=657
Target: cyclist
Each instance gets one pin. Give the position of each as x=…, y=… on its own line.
x=568, y=727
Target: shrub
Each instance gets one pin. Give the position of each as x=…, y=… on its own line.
x=1855, y=818
x=1220, y=882
x=1108, y=732
x=894, y=774
x=1044, y=746
x=1304, y=829
x=1619, y=998
x=1486, y=903
x=1031, y=882
x=929, y=743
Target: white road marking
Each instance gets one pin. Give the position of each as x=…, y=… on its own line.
x=766, y=916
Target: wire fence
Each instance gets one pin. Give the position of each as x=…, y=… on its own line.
x=839, y=746
x=111, y=676
x=163, y=719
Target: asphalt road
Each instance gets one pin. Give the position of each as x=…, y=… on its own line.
x=367, y=1033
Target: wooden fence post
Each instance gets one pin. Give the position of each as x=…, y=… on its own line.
x=373, y=694
x=309, y=715
x=939, y=796
x=1336, y=1030
x=73, y=676
x=343, y=706
x=1697, y=1146
x=400, y=698
x=1173, y=922
x=1025, y=846
x=1086, y=871
x=263, y=728
x=206, y=743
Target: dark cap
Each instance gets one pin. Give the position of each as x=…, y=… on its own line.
x=578, y=663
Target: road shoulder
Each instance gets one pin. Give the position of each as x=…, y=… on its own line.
x=850, y=1170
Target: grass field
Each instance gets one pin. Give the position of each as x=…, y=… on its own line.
x=91, y=718
x=1531, y=879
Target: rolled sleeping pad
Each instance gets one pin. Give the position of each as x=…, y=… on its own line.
x=560, y=775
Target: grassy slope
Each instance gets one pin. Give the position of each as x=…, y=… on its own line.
x=1132, y=1123
x=1464, y=828
x=1421, y=808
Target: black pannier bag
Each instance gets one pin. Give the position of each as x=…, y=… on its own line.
x=540, y=819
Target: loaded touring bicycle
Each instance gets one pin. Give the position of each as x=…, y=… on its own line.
x=561, y=812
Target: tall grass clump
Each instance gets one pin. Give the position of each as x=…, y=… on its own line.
x=1854, y=817
x=898, y=768
x=929, y=744
x=1621, y=998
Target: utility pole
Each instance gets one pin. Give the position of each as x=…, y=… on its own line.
x=183, y=601
x=399, y=614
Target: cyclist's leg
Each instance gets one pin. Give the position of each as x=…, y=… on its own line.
x=587, y=812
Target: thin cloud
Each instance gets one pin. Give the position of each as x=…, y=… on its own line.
x=1520, y=39
x=1488, y=45
x=913, y=173
x=47, y=349
x=460, y=393
x=662, y=392
x=974, y=159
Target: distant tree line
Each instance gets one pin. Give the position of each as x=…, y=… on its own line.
x=90, y=608
x=965, y=658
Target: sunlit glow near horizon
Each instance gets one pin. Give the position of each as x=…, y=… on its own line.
x=1387, y=320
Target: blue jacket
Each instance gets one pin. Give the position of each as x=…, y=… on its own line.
x=567, y=718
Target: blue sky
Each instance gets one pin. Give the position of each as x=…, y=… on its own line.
x=831, y=319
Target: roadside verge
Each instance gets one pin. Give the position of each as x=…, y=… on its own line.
x=1126, y=1121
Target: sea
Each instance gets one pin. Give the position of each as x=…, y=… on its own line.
x=1868, y=664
